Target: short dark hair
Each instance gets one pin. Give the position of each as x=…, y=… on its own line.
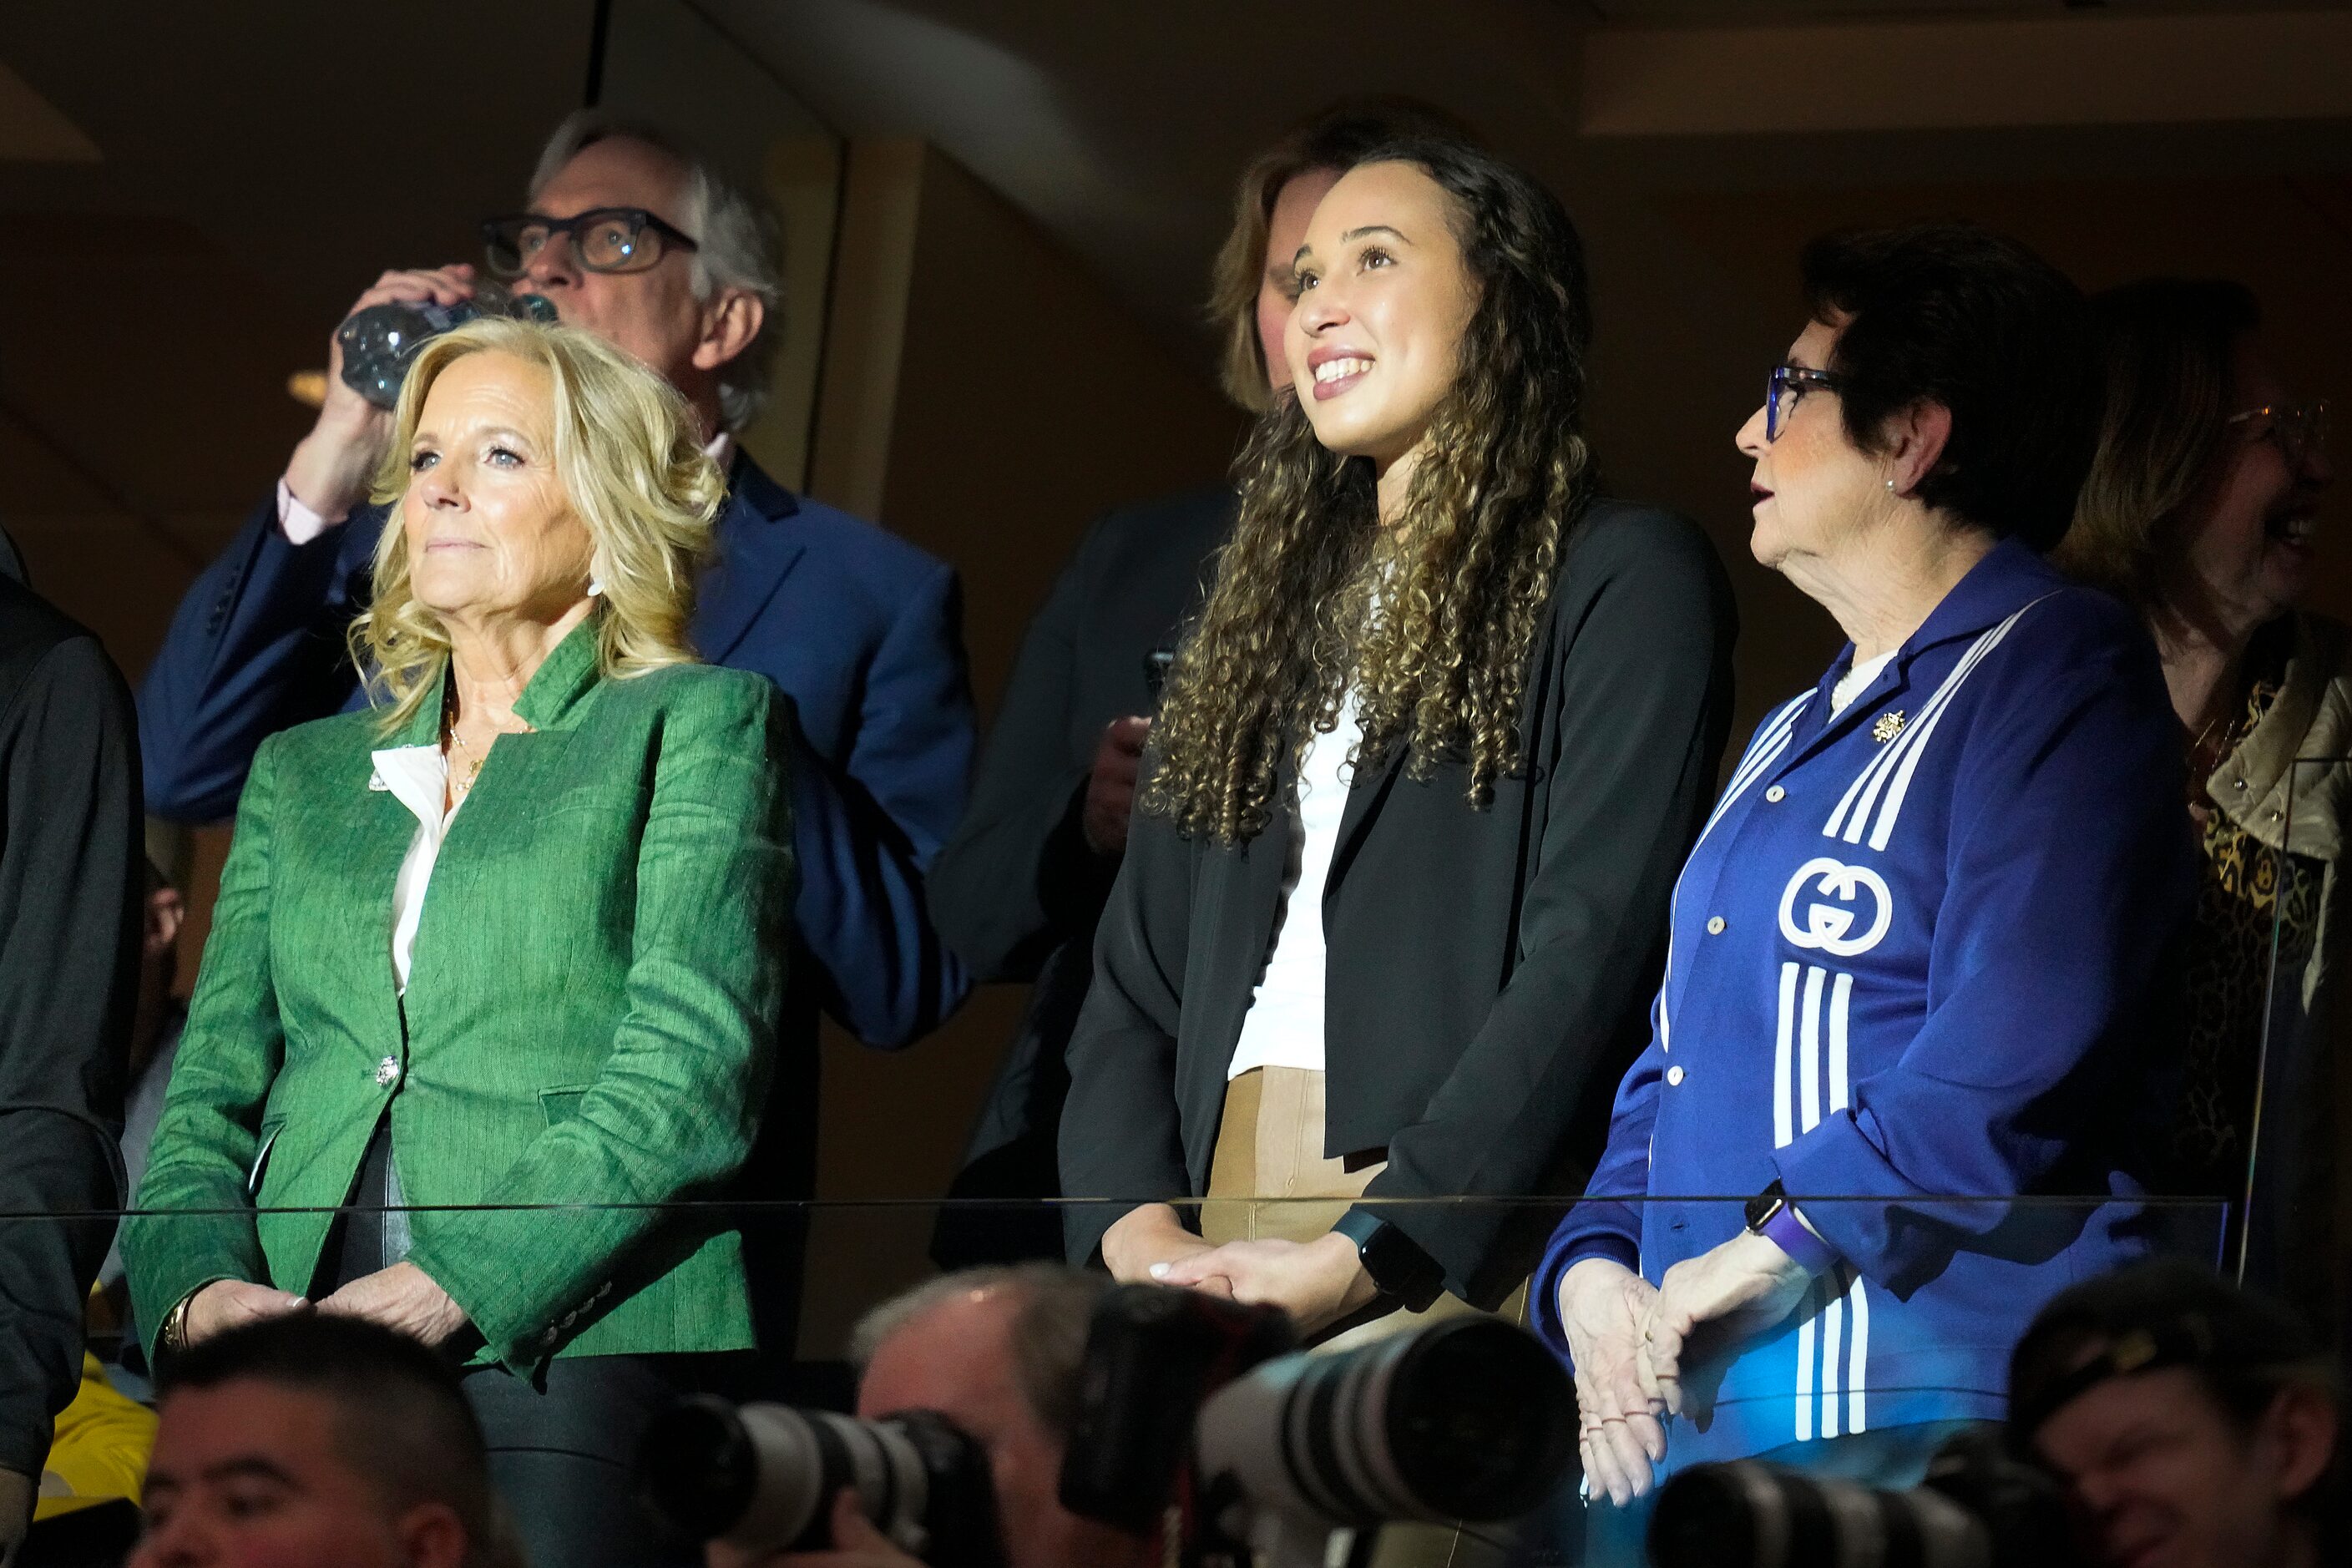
x=2164, y=344
x=401, y=1419
x=1954, y=315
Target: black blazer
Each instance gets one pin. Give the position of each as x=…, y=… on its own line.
x=1489, y=970
x=70, y=869
x=1017, y=890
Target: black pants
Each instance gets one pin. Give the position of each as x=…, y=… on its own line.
x=562, y=1452
x=561, y=1456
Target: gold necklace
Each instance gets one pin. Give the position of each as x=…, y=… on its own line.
x=465, y=787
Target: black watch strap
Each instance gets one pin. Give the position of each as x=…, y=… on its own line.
x=1394, y=1260
x=1764, y=1206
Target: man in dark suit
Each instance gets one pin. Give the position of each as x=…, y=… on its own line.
x=70, y=925
x=860, y=628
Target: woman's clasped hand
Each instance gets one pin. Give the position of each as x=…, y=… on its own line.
x=1633, y=1344
x=1318, y=1282
x=1603, y=1307
x=402, y=1297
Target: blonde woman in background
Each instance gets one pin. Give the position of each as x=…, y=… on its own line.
x=513, y=938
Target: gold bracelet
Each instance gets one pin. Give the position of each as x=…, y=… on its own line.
x=174, y=1337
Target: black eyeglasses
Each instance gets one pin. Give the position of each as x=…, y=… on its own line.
x=1789, y=382
x=2299, y=428
x=603, y=239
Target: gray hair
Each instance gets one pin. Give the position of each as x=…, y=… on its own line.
x=738, y=245
x=1049, y=1327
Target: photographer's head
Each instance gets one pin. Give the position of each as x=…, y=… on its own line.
x=997, y=1351
x=677, y=267
x=2195, y=1426
x=318, y=1442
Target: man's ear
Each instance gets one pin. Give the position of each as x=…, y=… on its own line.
x=2300, y=1428
x=730, y=321
x=1916, y=438
x=431, y=1535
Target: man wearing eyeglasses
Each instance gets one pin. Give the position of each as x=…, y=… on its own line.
x=632, y=239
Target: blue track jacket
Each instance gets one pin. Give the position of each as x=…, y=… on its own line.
x=1909, y=960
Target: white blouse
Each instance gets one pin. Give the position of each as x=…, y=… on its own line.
x=1284, y=1025
x=418, y=776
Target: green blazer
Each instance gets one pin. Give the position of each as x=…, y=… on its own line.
x=589, y=1018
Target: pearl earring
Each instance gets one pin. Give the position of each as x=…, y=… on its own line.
x=596, y=584
x=1890, y=485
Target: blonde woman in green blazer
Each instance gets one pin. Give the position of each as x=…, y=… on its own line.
x=514, y=938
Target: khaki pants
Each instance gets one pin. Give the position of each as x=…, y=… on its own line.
x=1266, y=1177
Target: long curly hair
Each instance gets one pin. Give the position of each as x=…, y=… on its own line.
x=630, y=457
x=1466, y=572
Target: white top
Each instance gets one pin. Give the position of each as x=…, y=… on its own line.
x=1284, y=1026
x=1854, y=682
x=418, y=776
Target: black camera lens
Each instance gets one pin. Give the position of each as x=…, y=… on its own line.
x=1749, y=1515
x=1471, y=1431
x=765, y=1478
x=1469, y=1419
x=698, y=1467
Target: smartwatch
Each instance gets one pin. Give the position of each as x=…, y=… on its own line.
x=1773, y=1200
x=1396, y=1263
x=1771, y=1216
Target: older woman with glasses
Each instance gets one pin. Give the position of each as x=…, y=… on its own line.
x=2199, y=511
x=1909, y=950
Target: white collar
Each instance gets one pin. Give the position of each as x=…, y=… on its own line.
x=418, y=776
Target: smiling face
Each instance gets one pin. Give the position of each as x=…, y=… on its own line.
x=491, y=535
x=2245, y=555
x=1375, y=345
x=1815, y=494
x=2160, y=1478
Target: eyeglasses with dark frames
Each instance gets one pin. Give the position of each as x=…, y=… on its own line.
x=1786, y=385
x=603, y=239
x=2299, y=428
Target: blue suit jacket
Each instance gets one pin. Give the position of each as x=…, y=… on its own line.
x=861, y=629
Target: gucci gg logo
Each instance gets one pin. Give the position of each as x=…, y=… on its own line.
x=1836, y=891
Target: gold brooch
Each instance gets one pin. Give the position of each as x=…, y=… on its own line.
x=1889, y=725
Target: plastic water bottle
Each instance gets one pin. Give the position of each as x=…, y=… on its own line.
x=380, y=342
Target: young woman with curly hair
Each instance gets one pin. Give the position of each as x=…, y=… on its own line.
x=1396, y=887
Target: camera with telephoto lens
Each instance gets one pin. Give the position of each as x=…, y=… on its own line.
x=1979, y=1505
x=1153, y=1353
x=1467, y=1421
x=1263, y=1457
x=763, y=1477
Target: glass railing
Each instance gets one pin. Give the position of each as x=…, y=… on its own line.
x=835, y=1259
x=2278, y=1100
x=1912, y=1324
